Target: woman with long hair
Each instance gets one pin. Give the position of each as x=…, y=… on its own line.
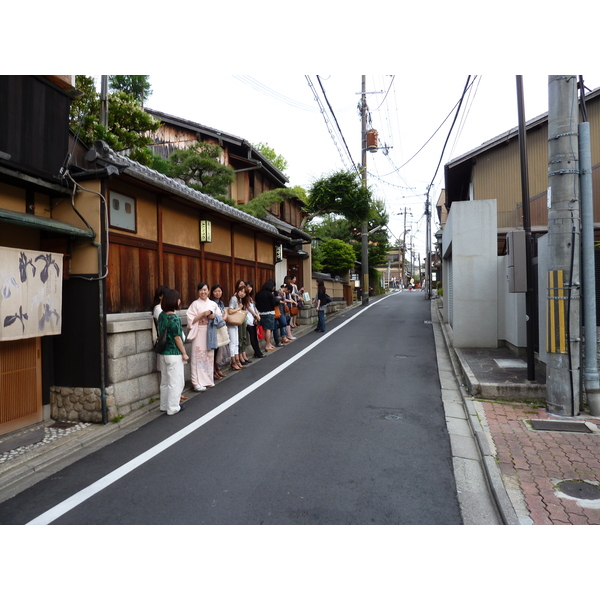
x=199, y=313
x=172, y=378
x=216, y=295
x=235, y=305
x=253, y=320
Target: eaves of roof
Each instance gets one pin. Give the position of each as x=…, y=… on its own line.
x=143, y=173
x=508, y=135
x=226, y=137
x=290, y=229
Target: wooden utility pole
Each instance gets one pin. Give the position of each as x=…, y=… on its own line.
x=563, y=312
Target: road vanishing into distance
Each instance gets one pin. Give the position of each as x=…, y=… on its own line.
x=345, y=427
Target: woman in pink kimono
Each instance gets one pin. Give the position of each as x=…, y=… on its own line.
x=201, y=358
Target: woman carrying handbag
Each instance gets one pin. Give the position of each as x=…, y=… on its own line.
x=235, y=317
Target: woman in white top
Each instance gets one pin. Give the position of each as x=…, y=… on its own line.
x=235, y=305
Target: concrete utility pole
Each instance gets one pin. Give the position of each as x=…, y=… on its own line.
x=404, y=212
x=365, y=224
x=104, y=101
x=428, y=246
x=563, y=308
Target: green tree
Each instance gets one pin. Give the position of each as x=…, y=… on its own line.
x=198, y=166
x=335, y=257
x=259, y=206
x=270, y=154
x=128, y=123
x=341, y=193
x=137, y=86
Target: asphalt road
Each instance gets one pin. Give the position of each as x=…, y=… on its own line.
x=345, y=427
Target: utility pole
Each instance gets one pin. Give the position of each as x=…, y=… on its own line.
x=591, y=378
x=428, y=247
x=563, y=307
x=404, y=212
x=365, y=224
x=529, y=298
x=104, y=101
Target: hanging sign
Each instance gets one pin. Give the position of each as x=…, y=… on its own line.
x=30, y=293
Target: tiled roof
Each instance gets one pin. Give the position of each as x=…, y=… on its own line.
x=177, y=188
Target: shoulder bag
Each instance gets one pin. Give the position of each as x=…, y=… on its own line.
x=161, y=341
x=236, y=318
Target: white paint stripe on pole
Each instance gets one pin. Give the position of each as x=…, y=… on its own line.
x=66, y=505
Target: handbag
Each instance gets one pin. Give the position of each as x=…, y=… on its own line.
x=260, y=332
x=294, y=310
x=277, y=313
x=222, y=337
x=306, y=297
x=236, y=318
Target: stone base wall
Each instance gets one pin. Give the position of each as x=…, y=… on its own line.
x=80, y=404
x=308, y=314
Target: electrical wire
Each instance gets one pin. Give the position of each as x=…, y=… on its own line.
x=458, y=105
x=267, y=91
x=335, y=118
x=432, y=135
x=329, y=128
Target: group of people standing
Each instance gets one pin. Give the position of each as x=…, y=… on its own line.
x=207, y=320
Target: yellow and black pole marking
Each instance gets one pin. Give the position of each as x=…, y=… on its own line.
x=556, y=332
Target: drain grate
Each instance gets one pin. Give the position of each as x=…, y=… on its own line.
x=566, y=426
x=580, y=489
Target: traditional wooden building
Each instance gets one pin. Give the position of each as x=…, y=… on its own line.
x=254, y=174
x=86, y=236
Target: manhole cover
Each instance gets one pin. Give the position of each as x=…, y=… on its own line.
x=580, y=489
x=567, y=426
x=62, y=425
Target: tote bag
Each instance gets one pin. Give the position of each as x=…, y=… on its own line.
x=236, y=318
x=222, y=336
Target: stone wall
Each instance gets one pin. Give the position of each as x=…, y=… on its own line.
x=80, y=404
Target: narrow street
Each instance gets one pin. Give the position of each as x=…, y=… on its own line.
x=345, y=427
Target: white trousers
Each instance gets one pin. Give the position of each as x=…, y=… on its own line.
x=234, y=341
x=172, y=382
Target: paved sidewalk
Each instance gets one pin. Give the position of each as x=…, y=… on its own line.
x=535, y=464
x=548, y=477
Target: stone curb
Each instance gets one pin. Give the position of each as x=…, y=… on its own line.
x=494, y=479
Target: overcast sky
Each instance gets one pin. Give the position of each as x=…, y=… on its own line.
x=406, y=110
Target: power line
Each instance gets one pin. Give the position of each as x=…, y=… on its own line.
x=267, y=91
x=335, y=118
x=328, y=124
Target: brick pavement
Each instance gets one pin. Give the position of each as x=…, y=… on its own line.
x=534, y=462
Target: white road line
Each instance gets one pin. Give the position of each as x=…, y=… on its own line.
x=66, y=505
